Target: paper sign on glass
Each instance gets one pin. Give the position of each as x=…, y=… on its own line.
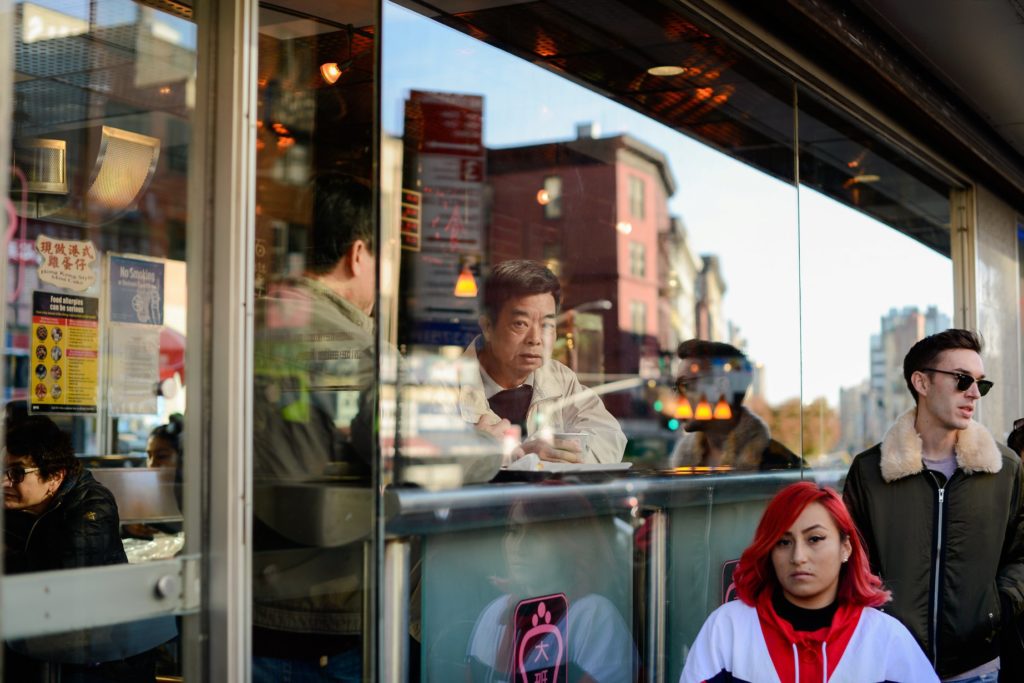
x=66, y=263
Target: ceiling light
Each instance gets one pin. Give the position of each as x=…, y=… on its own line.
x=667, y=70
x=331, y=72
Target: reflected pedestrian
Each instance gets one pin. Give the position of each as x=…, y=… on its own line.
x=719, y=431
x=314, y=346
x=1016, y=439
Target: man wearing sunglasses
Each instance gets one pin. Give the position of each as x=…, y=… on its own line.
x=939, y=505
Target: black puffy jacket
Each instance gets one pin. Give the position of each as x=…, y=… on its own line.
x=951, y=552
x=79, y=529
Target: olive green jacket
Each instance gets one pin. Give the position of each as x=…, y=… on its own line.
x=312, y=348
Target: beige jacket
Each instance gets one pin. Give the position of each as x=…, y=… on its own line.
x=560, y=404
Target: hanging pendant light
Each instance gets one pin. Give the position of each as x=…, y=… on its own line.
x=330, y=72
x=465, y=286
x=723, y=411
x=684, y=410
x=703, y=411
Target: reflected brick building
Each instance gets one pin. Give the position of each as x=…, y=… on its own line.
x=593, y=209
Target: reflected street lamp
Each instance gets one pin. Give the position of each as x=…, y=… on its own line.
x=596, y=305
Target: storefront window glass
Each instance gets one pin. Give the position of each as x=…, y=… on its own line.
x=314, y=342
x=876, y=276
x=94, y=319
x=650, y=366
x=511, y=403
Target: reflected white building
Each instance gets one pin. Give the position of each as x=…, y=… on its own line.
x=867, y=409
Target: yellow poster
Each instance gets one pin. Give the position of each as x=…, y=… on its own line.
x=65, y=353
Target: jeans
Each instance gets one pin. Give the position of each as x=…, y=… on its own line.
x=345, y=667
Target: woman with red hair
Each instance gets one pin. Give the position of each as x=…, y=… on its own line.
x=807, y=605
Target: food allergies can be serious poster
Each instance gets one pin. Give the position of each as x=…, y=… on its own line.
x=64, y=353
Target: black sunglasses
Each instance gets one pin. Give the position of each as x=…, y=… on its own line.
x=16, y=473
x=684, y=383
x=964, y=382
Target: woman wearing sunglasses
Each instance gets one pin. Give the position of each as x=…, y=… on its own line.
x=56, y=515
x=807, y=605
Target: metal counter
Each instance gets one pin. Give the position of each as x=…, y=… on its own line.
x=646, y=550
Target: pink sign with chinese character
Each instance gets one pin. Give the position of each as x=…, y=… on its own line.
x=541, y=633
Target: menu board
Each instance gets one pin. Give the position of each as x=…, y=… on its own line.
x=64, y=353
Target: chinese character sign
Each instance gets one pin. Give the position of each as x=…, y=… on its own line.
x=66, y=263
x=541, y=640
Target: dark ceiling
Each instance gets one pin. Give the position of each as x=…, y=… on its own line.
x=976, y=48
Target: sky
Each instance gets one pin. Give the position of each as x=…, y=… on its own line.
x=787, y=255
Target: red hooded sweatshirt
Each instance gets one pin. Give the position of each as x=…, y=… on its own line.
x=811, y=651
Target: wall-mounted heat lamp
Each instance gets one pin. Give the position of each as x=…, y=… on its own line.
x=124, y=167
x=42, y=186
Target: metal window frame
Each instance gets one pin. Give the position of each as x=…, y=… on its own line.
x=221, y=240
x=6, y=111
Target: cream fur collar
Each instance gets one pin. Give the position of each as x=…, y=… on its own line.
x=976, y=450
x=744, y=447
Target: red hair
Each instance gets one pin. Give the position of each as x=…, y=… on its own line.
x=755, y=572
